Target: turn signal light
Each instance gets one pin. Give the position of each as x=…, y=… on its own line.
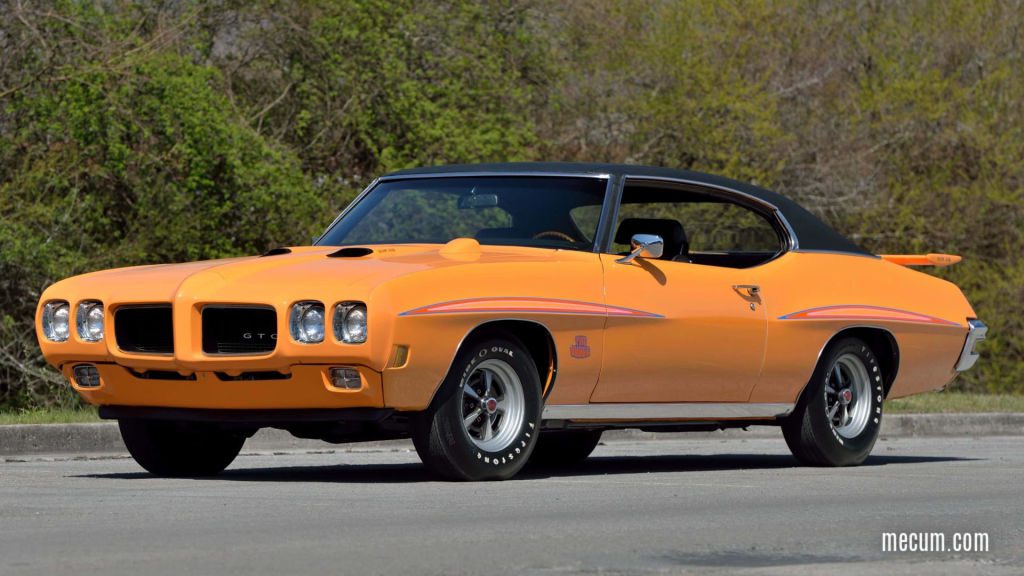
x=399, y=356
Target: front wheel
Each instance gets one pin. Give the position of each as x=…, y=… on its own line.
x=190, y=449
x=483, y=423
x=837, y=420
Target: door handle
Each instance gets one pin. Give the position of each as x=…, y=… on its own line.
x=752, y=290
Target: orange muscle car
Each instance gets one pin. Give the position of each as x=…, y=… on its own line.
x=503, y=313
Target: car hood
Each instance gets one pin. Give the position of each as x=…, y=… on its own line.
x=283, y=275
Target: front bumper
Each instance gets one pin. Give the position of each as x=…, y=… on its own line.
x=300, y=387
x=257, y=418
x=969, y=355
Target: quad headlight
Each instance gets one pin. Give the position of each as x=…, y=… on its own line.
x=350, y=322
x=306, y=322
x=89, y=321
x=56, y=321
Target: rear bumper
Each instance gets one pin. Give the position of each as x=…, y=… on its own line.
x=304, y=386
x=975, y=334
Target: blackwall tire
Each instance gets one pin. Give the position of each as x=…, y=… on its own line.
x=180, y=449
x=564, y=448
x=483, y=422
x=837, y=420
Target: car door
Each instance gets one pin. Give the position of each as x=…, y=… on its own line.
x=701, y=336
x=705, y=345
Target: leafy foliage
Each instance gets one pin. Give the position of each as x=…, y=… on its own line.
x=140, y=161
x=158, y=132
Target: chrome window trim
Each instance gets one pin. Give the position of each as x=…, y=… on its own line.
x=666, y=411
x=793, y=244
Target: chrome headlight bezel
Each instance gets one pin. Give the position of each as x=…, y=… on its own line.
x=89, y=320
x=56, y=321
x=307, y=322
x=351, y=322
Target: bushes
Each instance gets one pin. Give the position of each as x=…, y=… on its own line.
x=111, y=165
x=162, y=132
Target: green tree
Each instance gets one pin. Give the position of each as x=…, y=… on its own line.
x=136, y=159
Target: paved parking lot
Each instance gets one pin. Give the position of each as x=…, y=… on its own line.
x=637, y=507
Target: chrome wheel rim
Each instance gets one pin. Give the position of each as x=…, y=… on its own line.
x=848, y=396
x=493, y=405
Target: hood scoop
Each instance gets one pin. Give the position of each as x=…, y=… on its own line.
x=351, y=252
x=461, y=249
x=277, y=251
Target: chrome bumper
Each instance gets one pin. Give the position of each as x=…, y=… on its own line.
x=975, y=334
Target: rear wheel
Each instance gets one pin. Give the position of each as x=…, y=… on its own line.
x=557, y=448
x=168, y=448
x=837, y=420
x=482, y=425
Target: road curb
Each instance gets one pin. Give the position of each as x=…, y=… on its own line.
x=104, y=438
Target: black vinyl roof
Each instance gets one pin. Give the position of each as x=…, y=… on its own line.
x=811, y=233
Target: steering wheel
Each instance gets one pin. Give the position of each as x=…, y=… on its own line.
x=555, y=234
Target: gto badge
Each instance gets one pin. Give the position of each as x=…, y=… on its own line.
x=258, y=336
x=580, y=349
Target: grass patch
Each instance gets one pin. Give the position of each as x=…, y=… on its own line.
x=937, y=402
x=50, y=416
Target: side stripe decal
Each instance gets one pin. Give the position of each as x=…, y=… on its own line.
x=862, y=312
x=527, y=305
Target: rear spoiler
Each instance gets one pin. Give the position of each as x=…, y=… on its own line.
x=921, y=259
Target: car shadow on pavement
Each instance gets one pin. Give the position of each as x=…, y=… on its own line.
x=603, y=465
x=594, y=466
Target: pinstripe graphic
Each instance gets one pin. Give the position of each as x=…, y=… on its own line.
x=527, y=305
x=862, y=312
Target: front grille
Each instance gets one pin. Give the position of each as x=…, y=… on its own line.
x=239, y=330
x=144, y=329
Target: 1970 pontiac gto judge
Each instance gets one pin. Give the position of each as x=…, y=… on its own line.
x=502, y=313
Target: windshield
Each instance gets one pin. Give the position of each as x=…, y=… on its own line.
x=553, y=212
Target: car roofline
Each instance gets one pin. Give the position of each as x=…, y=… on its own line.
x=828, y=240
x=792, y=242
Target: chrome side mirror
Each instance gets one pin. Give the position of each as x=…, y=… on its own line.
x=644, y=246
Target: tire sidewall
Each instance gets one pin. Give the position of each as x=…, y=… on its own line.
x=473, y=460
x=840, y=449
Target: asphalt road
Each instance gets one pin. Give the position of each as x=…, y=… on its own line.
x=641, y=507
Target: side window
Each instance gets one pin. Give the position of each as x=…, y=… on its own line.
x=729, y=228
x=696, y=227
